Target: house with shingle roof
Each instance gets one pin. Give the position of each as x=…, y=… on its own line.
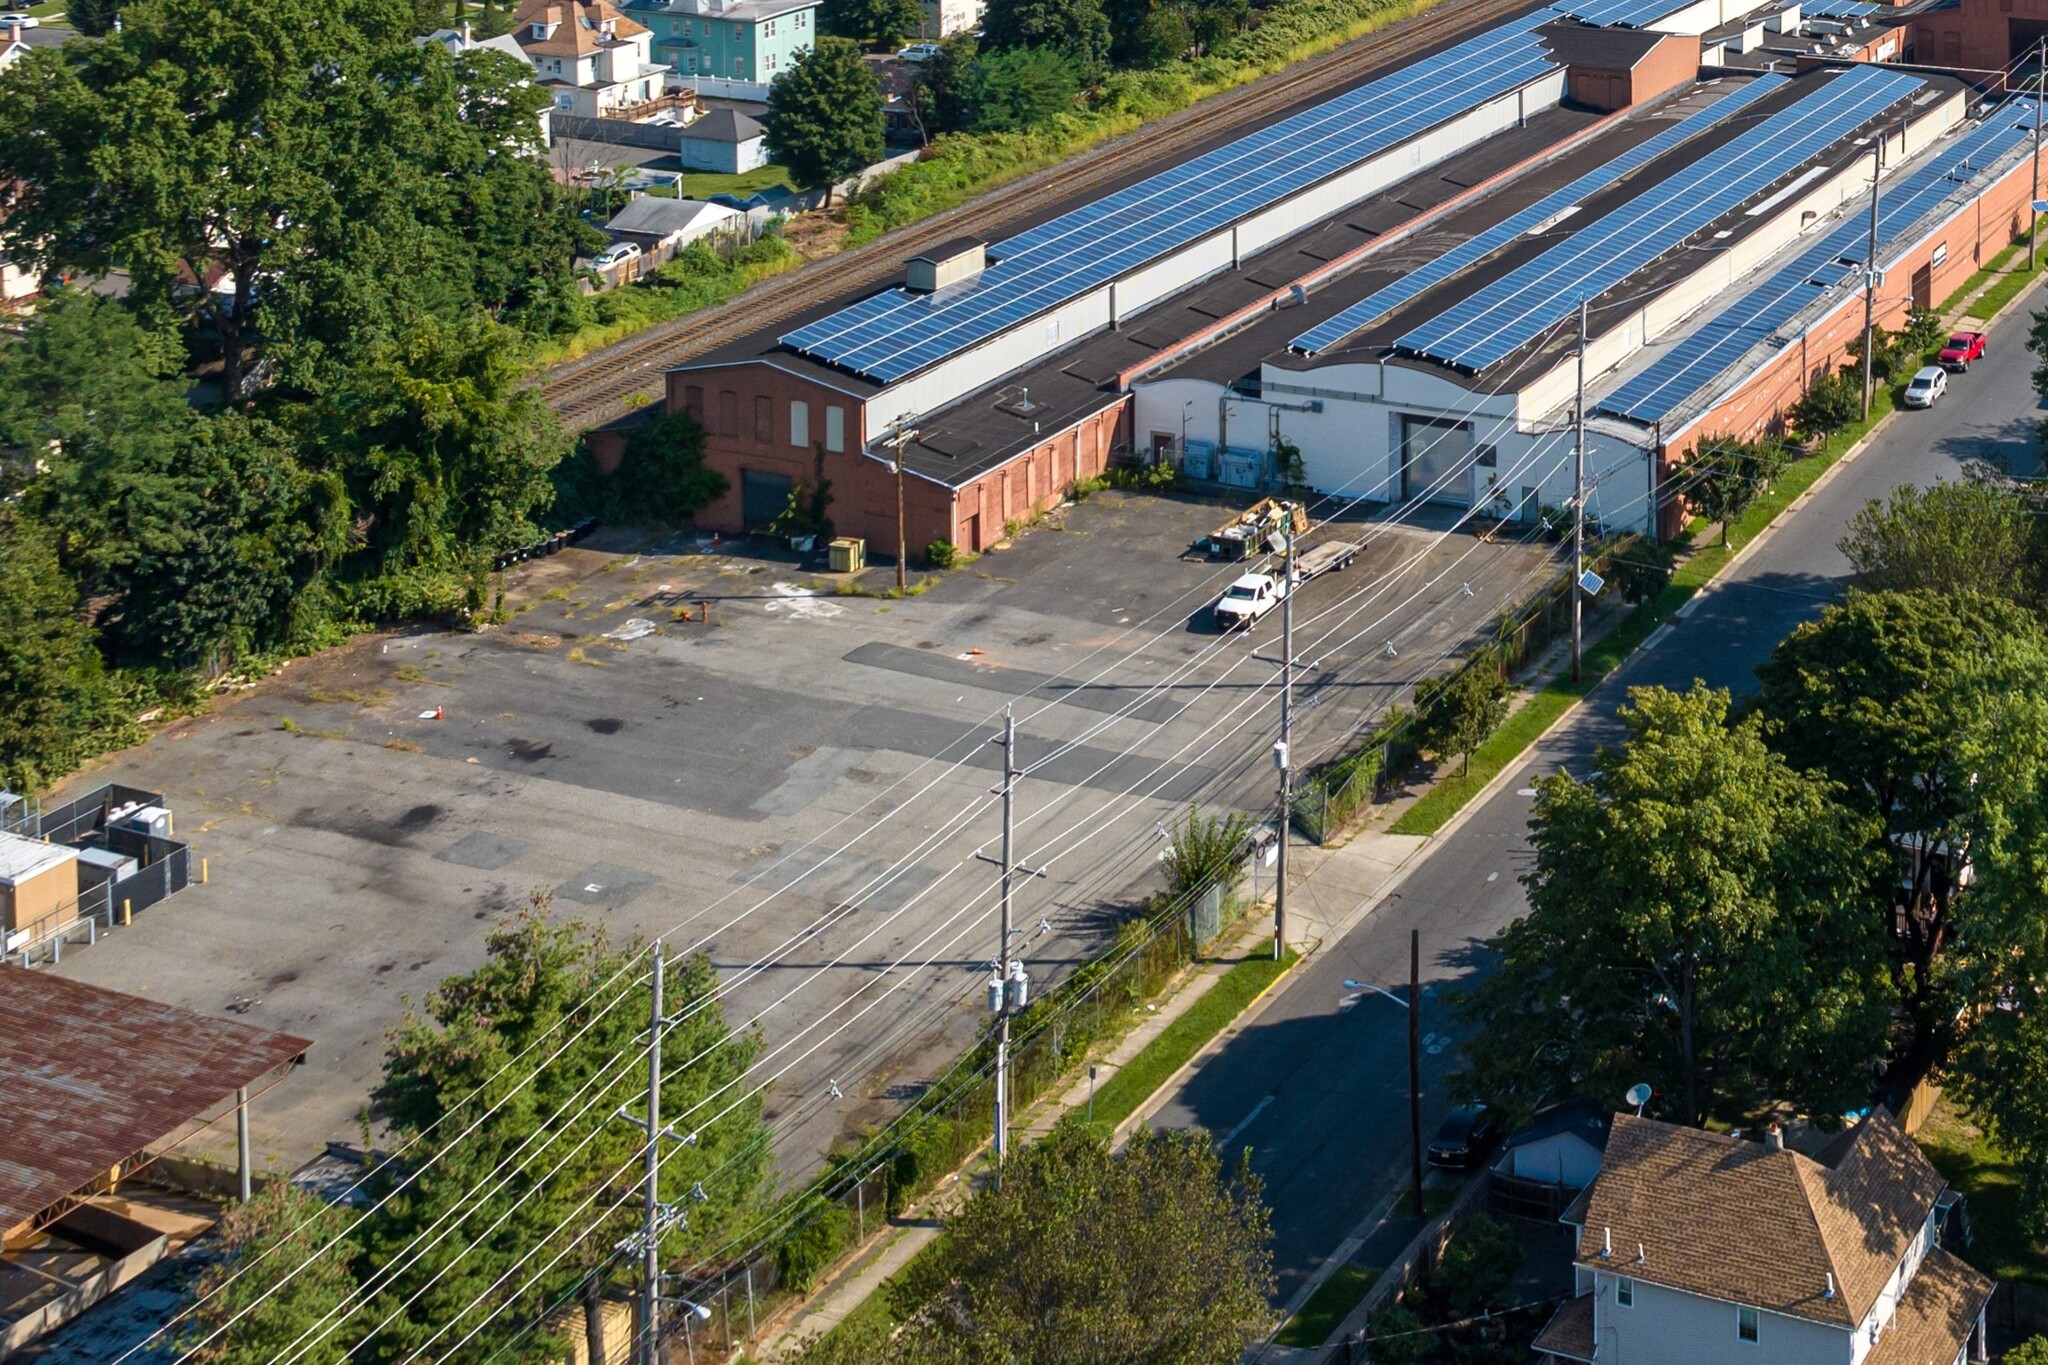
x=1697, y=1248
x=593, y=60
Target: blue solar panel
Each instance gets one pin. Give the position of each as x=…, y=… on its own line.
x=1620, y=13
x=1491, y=323
x=1834, y=260
x=1837, y=9
x=893, y=334
x=1478, y=247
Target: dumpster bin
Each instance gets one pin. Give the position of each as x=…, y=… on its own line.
x=849, y=554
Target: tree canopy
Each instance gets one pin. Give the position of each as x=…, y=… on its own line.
x=1961, y=537
x=875, y=24
x=1697, y=920
x=1076, y=29
x=825, y=115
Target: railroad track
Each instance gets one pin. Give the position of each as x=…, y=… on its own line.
x=606, y=383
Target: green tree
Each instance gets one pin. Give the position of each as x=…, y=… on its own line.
x=1831, y=403
x=287, y=1261
x=1724, y=476
x=825, y=115
x=443, y=449
x=2032, y=1351
x=1639, y=568
x=1949, y=538
x=1152, y=1255
x=52, y=688
x=946, y=85
x=1455, y=713
x=1077, y=29
x=1698, y=919
x=1206, y=849
x=1887, y=695
x=875, y=24
x=1018, y=88
x=94, y=18
x=552, y=1029
x=1161, y=37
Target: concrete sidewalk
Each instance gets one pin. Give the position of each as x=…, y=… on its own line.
x=1333, y=888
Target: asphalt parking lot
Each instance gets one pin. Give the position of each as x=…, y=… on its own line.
x=797, y=785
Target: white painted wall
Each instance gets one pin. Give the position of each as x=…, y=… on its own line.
x=1671, y=1327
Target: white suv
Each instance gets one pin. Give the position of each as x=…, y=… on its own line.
x=617, y=254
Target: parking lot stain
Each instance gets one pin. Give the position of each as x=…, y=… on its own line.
x=606, y=725
x=531, y=750
x=418, y=818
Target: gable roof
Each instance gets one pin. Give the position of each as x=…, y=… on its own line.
x=1936, y=1313
x=1736, y=1220
x=652, y=215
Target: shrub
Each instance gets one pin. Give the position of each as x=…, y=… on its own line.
x=1832, y=403
x=819, y=1235
x=942, y=554
x=1206, y=849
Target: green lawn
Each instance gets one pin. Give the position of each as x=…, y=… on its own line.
x=1120, y=1097
x=1990, y=1182
x=704, y=184
x=1521, y=729
x=1328, y=1306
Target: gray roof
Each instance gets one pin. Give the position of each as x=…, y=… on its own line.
x=724, y=125
x=22, y=858
x=652, y=215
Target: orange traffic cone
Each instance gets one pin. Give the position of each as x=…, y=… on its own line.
x=439, y=714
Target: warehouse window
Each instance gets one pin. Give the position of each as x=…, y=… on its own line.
x=693, y=402
x=764, y=418
x=728, y=413
x=835, y=429
x=799, y=423
x=1487, y=456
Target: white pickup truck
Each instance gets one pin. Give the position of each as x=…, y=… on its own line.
x=1246, y=600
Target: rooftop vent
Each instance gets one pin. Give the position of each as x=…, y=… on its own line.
x=948, y=263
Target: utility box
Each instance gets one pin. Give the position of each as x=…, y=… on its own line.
x=38, y=883
x=849, y=554
x=143, y=820
x=100, y=865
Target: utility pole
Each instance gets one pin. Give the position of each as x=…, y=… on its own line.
x=1009, y=989
x=1578, y=540
x=899, y=437
x=1870, y=269
x=2040, y=91
x=650, y=1229
x=1283, y=752
x=1415, y=1053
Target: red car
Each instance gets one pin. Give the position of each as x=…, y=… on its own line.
x=1962, y=348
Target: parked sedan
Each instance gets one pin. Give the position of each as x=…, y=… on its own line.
x=1464, y=1137
x=1927, y=387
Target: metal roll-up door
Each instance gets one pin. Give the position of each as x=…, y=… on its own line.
x=1436, y=461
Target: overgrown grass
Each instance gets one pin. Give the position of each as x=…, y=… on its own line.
x=1990, y=1181
x=2014, y=277
x=699, y=278
x=1542, y=710
x=704, y=184
x=1327, y=1307
x=1134, y=1083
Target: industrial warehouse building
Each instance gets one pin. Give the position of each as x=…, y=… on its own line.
x=1388, y=283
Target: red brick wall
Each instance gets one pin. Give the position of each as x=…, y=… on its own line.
x=1979, y=35
x=741, y=404
x=1759, y=406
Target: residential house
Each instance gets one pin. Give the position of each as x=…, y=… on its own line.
x=17, y=39
x=724, y=140
x=729, y=47
x=661, y=226
x=595, y=61
x=457, y=41
x=1696, y=1248
x=945, y=18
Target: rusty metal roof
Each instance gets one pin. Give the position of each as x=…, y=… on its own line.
x=89, y=1077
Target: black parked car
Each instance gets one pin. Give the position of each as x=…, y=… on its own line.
x=1465, y=1137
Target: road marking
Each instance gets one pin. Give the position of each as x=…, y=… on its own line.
x=1257, y=1109
x=1526, y=791
x=1493, y=876
x=1344, y=1006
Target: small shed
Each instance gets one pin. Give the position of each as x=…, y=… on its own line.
x=724, y=140
x=661, y=227
x=1562, y=1145
x=38, y=883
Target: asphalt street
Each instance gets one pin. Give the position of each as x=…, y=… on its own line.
x=1316, y=1087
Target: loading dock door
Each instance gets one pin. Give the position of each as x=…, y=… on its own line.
x=1436, y=461
x=763, y=497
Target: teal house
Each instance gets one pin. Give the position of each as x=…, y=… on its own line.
x=728, y=47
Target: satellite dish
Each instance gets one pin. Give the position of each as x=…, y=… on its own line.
x=1638, y=1095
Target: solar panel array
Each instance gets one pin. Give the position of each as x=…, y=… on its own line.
x=1620, y=13
x=1494, y=321
x=1835, y=259
x=1838, y=9
x=893, y=334
x=1481, y=245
